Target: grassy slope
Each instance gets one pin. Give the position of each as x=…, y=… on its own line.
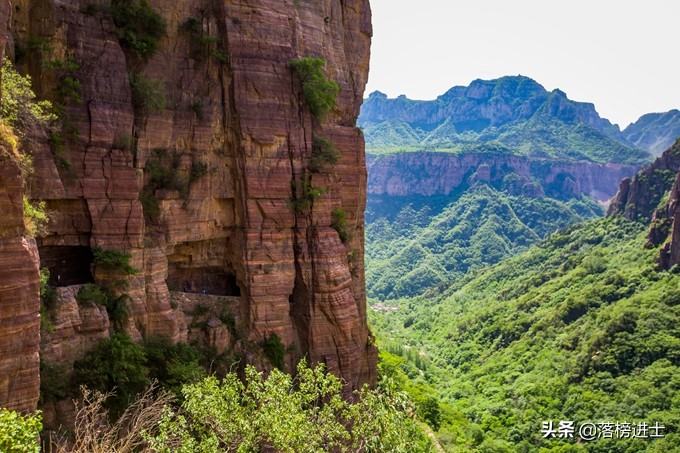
x=581, y=327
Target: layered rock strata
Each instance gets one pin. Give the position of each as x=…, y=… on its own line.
x=19, y=293
x=235, y=139
x=430, y=173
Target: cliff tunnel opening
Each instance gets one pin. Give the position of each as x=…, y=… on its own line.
x=210, y=280
x=68, y=265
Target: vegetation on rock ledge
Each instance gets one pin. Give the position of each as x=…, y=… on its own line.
x=319, y=91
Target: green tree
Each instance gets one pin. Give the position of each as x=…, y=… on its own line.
x=302, y=414
x=116, y=364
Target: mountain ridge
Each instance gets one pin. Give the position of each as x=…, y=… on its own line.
x=515, y=111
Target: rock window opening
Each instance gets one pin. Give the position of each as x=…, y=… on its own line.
x=68, y=265
x=206, y=280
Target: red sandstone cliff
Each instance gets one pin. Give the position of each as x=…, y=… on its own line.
x=232, y=229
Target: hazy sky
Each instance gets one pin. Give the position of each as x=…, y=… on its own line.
x=623, y=56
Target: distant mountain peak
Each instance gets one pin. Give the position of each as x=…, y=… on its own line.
x=377, y=95
x=515, y=111
x=654, y=132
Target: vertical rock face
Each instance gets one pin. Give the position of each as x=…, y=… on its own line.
x=654, y=194
x=639, y=197
x=202, y=193
x=19, y=293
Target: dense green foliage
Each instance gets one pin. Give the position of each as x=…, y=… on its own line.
x=138, y=26
x=301, y=414
x=19, y=434
x=116, y=364
x=126, y=368
x=409, y=250
x=579, y=327
x=19, y=106
x=319, y=91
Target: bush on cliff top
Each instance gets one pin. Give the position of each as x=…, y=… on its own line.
x=319, y=91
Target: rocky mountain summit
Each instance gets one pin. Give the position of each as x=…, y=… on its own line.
x=513, y=114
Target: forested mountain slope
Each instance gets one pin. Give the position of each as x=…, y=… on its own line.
x=479, y=174
x=581, y=327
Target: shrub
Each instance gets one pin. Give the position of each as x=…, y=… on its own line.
x=53, y=382
x=68, y=86
x=164, y=176
x=115, y=363
x=19, y=106
x=48, y=301
x=198, y=170
x=324, y=153
x=18, y=433
x=116, y=306
x=151, y=207
x=115, y=260
x=138, y=27
x=35, y=217
x=429, y=411
x=319, y=91
x=274, y=350
x=91, y=294
x=48, y=294
x=228, y=320
x=94, y=431
x=201, y=44
x=173, y=365
x=276, y=412
x=338, y=223
x=304, y=193
x=148, y=95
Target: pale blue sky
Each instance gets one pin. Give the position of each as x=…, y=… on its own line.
x=623, y=56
